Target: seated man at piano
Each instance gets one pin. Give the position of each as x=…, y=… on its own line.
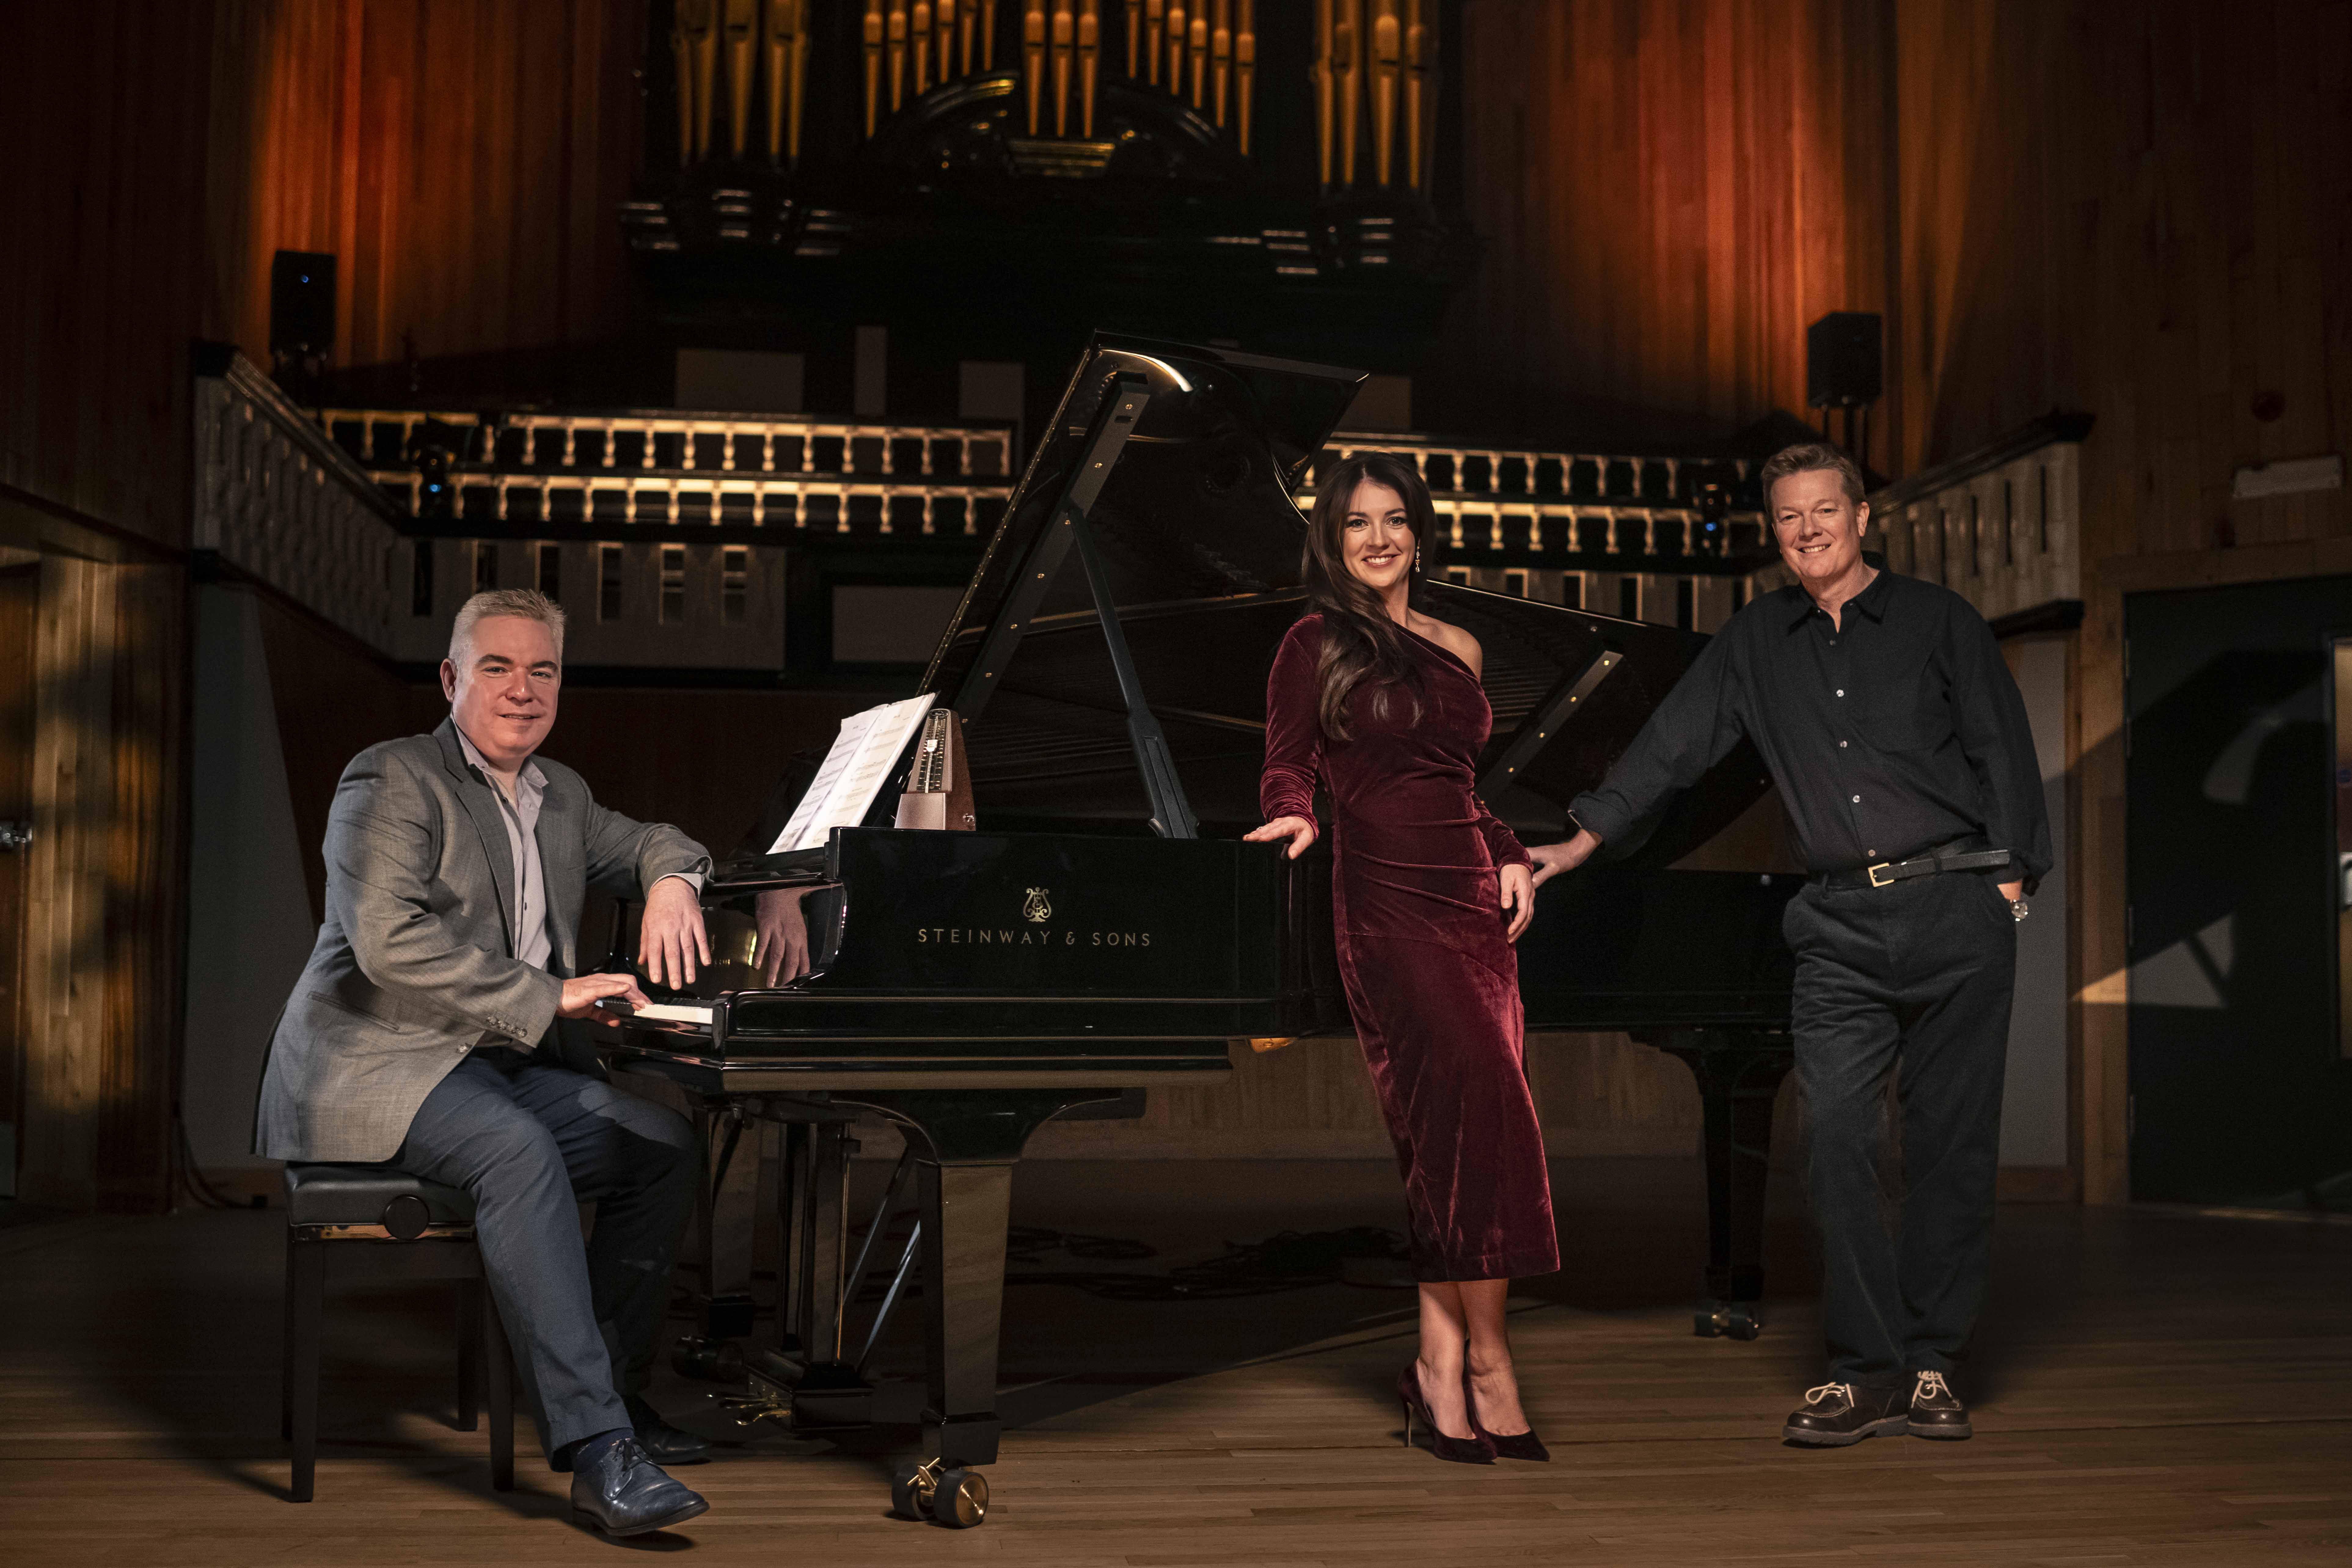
x=424, y=1034
x=1899, y=744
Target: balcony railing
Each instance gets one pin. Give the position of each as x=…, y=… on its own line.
x=1647, y=513
x=578, y=470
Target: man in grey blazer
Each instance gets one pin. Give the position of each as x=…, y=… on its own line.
x=424, y=1035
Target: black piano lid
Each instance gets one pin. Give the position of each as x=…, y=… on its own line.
x=1201, y=540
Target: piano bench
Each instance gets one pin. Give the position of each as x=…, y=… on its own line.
x=370, y=1222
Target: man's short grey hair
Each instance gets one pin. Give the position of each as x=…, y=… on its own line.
x=527, y=603
x=1809, y=458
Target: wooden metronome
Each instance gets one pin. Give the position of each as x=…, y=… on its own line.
x=939, y=787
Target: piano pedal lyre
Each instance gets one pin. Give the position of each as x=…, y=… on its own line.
x=938, y=789
x=955, y=1498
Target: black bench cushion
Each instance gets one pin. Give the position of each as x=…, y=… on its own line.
x=356, y=1195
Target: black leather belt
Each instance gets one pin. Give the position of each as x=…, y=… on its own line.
x=1926, y=865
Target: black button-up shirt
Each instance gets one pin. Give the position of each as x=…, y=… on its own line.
x=1897, y=733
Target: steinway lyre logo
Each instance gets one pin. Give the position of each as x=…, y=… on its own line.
x=1038, y=906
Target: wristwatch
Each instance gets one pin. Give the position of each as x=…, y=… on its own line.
x=2017, y=910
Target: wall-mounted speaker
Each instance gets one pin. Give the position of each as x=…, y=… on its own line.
x=1844, y=360
x=301, y=303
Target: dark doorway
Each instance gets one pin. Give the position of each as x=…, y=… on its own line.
x=2240, y=1093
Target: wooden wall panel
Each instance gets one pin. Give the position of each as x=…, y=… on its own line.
x=465, y=159
x=1668, y=194
x=101, y=942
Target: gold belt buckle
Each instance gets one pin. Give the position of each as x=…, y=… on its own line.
x=1886, y=866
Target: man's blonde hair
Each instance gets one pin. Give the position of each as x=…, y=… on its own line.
x=1809, y=458
x=527, y=603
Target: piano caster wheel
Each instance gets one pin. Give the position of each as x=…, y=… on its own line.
x=712, y=1361
x=956, y=1499
x=1726, y=1321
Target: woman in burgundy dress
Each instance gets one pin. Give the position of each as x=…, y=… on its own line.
x=1383, y=703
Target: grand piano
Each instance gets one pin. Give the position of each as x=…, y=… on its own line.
x=1103, y=930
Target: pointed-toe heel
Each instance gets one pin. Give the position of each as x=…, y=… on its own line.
x=1515, y=1445
x=1471, y=1450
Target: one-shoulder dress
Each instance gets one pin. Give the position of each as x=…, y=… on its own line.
x=1430, y=976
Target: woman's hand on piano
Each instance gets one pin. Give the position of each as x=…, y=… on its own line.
x=671, y=935
x=582, y=991
x=1551, y=860
x=1299, y=830
x=783, y=947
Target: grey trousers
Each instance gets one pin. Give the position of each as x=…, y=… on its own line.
x=529, y=1139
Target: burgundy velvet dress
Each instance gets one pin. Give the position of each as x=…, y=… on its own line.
x=1432, y=979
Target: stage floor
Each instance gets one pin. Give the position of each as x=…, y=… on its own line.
x=2151, y=1388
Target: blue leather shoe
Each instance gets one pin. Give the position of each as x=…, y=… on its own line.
x=617, y=1489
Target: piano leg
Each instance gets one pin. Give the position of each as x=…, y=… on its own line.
x=1739, y=1074
x=720, y=1245
x=966, y=1210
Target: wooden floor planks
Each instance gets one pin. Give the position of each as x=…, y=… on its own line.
x=2152, y=1389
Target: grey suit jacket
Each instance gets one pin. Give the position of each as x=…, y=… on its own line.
x=414, y=963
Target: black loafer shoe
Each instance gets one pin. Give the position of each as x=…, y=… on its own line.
x=622, y=1492
x=1935, y=1411
x=663, y=1443
x=1837, y=1414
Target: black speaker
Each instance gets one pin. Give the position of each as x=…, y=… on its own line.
x=1844, y=360
x=301, y=302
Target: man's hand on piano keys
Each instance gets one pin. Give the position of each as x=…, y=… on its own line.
x=1297, y=829
x=783, y=950
x=671, y=935
x=582, y=993
x=1551, y=860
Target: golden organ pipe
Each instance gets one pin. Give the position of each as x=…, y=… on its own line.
x=875, y=30
x=1324, y=88
x=944, y=23
x=1348, y=43
x=1089, y=63
x=700, y=19
x=1221, y=59
x=918, y=44
x=898, y=55
x=1033, y=58
x=776, y=27
x=1388, y=44
x=1245, y=69
x=681, y=55
x=742, y=16
x=1134, y=37
x=1200, y=51
x=1416, y=59
x=1155, y=15
x=1065, y=42
x=1177, y=35
x=988, y=35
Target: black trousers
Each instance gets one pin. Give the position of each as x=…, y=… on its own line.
x=531, y=1139
x=1910, y=982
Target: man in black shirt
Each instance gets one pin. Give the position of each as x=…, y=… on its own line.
x=1889, y=721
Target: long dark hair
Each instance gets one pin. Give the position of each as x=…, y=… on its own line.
x=1361, y=644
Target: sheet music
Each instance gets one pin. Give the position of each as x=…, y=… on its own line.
x=844, y=788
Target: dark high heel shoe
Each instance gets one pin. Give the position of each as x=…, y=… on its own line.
x=1517, y=1446
x=1471, y=1450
